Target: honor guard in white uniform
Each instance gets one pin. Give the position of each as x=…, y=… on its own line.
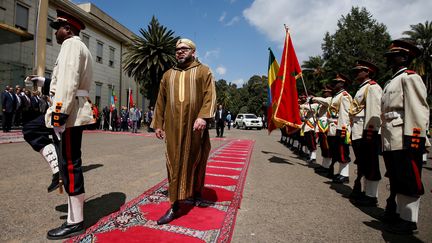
x=365, y=115
x=340, y=129
x=66, y=118
x=405, y=120
x=322, y=128
x=308, y=128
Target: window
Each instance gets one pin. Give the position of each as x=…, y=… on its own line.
x=21, y=16
x=111, y=56
x=98, y=94
x=99, y=52
x=50, y=32
x=86, y=40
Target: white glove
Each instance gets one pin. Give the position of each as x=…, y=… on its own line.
x=59, y=130
x=39, y=81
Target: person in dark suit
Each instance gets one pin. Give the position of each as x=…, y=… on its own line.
x=220, y=118
x=8, y=108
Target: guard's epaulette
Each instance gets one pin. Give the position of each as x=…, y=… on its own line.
x=410, y=72
x=371, y=82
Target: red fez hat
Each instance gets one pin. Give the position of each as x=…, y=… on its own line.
x=361, y=64
x=402, y=46
x=341, y=78
x=66, y=18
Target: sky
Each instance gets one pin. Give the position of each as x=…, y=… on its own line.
x=233, y=36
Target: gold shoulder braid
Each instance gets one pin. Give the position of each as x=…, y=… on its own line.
x=357, y=107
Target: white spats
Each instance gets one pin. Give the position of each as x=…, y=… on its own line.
x=344, y=169
x=371, y=188
x=75, y=209
x=50, y=155
x=313, y=155
x=326, y=162
x=408, y=207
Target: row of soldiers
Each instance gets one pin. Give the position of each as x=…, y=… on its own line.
x=392, y=122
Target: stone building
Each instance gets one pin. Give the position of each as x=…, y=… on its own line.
x=105, y=37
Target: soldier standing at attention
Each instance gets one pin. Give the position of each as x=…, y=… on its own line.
x=66, y=118
x=322, y=129
x=339, y=129
x=365, y=115
x=405, y=119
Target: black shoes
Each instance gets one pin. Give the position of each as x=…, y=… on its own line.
x=66, y=231
x=389, y=217
x=401, y=227
x=340, y=179
x=54, y=182
x=322, y=170
x=169, y=216
x=356, y=195
x=366, y=201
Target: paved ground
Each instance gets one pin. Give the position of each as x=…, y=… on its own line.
x=283, y=201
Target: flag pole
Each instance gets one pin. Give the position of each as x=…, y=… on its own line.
x=304, y=85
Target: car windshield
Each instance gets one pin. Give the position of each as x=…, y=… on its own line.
x=251, y=117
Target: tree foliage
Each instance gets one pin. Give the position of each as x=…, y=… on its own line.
x=421, y=34
x=358, y=36
x=247, y=99
x=149, y=56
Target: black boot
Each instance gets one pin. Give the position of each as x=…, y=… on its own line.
x=402, y=227
x=170, y=215
x=390, y=216
x=66, y=231
x=366, y=201
x=356, y=192
x=54, y=182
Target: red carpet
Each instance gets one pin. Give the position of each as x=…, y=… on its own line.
x=212, y=222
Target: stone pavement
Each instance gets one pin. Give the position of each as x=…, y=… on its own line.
x=283, y=200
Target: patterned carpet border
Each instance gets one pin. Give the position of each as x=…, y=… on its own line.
x=131, y=217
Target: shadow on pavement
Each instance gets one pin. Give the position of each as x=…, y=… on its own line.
x=375, y=213
x=98, y=208
x=342, y=189
x=389, y=237
x=279, y=160
x=86, y=168
x=268, y=152
x=427, y=168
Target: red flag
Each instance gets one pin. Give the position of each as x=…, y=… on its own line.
x=286, y=110
x=131, y=103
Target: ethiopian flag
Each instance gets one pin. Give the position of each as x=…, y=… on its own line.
x=273, y=69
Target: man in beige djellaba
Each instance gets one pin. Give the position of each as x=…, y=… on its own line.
x=185, y=103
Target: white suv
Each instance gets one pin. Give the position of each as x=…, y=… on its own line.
x=246, y=121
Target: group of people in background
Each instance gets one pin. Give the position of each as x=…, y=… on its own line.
x=392, y=121
x=132, y=119
x=21, y=105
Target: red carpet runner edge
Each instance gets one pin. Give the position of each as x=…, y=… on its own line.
x=212, y=222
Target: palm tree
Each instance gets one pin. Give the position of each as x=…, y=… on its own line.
x=150, y=55
x=315, y=65
x=421, y=35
